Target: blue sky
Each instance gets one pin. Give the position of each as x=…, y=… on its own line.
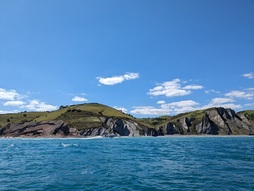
x=146, y=57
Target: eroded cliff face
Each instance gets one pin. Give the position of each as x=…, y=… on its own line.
x=215, y=121
x=38, y=129
x=110, y=127
x=115, y=127
x=226, y=122
x=207, y=126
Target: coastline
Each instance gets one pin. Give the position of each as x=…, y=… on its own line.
x=129, y=137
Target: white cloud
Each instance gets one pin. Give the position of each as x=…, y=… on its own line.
x=173, y=88
x=249, y=75
x=4, y=112
x=225, y=105
x=79, y=99
x=14, y=103
x=121, y=109
x=249, y=104
x=14, y=99
x=174, y=108
x=118, y=79
x=149, y=110
x=167, y=108
x=161, y=102
x=186, y=103
x=222, y=102
x=111, y=81
x=240, y=94
x=181, y=106
x=9, y=94
x=131, y=76
x=215, y=101
x=212, y=91
x=36, y=105
x=193, y=87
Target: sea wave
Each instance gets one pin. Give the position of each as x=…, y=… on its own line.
x=69, y=145
x=145, y=163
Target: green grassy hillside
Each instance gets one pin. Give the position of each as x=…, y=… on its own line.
x=79, y=116
x=88, y=116
x=196, y=116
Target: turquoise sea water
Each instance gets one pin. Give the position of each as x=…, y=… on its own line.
x=147, y=163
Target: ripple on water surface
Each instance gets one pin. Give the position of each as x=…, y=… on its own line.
x=165, y=163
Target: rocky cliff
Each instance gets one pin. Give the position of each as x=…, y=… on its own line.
x=110, y=127
x=38, y=129
x=213, y=121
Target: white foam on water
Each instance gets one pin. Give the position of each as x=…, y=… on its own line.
x=87, y=171
x=69, y=145
x=95, y=137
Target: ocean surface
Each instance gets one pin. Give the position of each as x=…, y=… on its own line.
x=146, y=163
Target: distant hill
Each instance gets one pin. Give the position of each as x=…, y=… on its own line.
x=96, y=119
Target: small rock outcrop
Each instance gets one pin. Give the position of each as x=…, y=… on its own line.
x=122, y=127
x=207, y=126
x=114, y=127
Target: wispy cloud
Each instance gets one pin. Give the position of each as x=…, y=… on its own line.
x=14, y=103
x=36, y=105
x=173, y=88
x=9, y=94
x=121, y=109
x=149, y=110
x=4, y=112
x=174, y=108
x=222, y=102
x=185, y=103
x=20, y=101
x=240, y=94
x=79, y=99
x=192, y=87
x=249, y=104
x=117, y=79
x=249, y=75
x=180, y=106
x=212, y=91
x=166, y=108
x=215, y=101
x=161, y=102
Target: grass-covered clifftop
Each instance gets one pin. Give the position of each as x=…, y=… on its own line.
x=80, y=116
